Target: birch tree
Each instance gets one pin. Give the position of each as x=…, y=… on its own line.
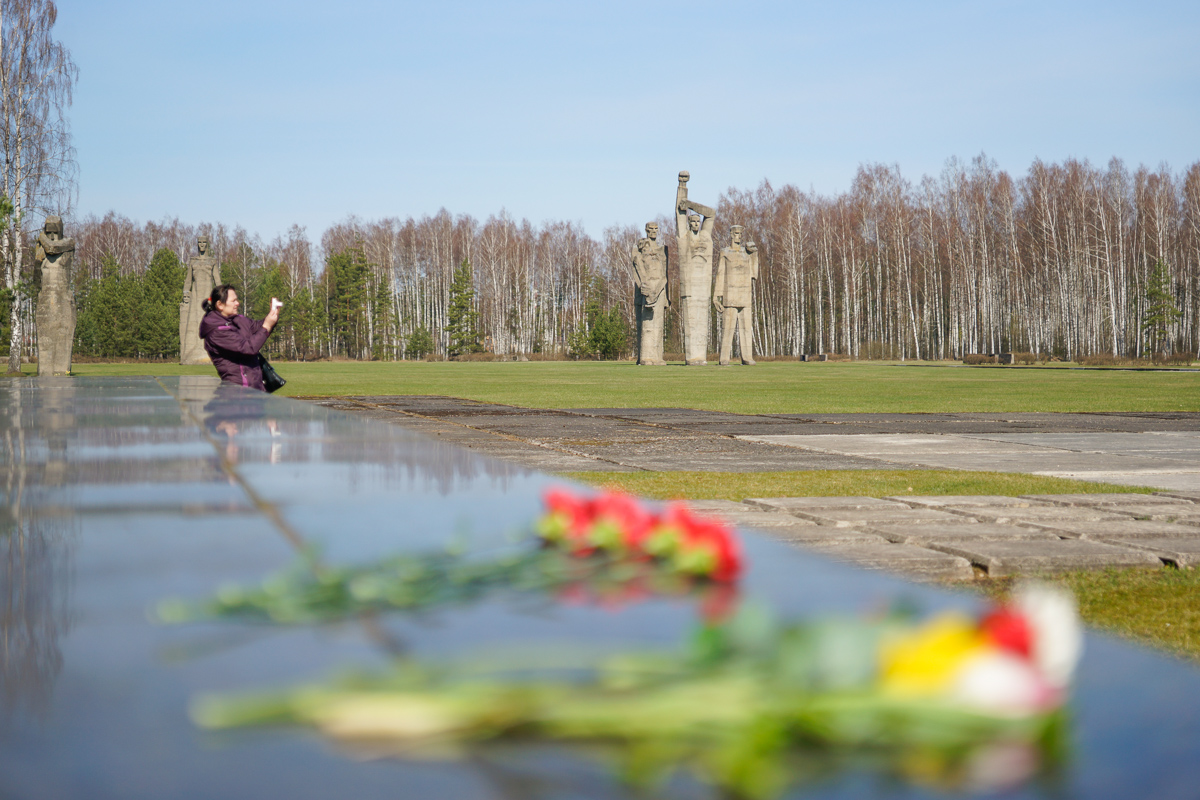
x=37, y=174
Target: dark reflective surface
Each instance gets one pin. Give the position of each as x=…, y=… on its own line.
x=122, y=492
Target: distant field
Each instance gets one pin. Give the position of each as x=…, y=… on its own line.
x=769, y=388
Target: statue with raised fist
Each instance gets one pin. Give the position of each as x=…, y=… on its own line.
x=694, y=236
x=651, y=297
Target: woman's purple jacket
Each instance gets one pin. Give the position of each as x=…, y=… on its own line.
x=233, y=344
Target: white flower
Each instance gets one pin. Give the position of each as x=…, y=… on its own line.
x=1057, y=633
x=1001, y=683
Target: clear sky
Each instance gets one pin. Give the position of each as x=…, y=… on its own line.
x=267, y=113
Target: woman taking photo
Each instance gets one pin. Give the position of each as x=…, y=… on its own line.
x=233, y=340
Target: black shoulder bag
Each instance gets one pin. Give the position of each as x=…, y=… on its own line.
x=271, y=380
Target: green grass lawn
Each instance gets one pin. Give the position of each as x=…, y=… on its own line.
x=769, y=388
x=836, y=483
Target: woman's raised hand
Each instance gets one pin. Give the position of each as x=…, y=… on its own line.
x=273, y=315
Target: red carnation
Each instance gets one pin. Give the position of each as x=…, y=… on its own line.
x=1009, y=630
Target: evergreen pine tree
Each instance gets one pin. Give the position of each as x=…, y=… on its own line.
x=346, y=286
x=157, y=331
x=382, y=322
x=1161, y=311
x=461, y=317
x=419, y=343
x=112, y=310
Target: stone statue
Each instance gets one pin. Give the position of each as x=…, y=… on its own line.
x=56, y=300
x=694, y=235
x=733, y=295
x=203, y=273
x=651, y=297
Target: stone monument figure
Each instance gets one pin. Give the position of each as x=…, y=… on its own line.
x=694, y=235
x=56, y=300
x=651, y=297
x=203, y=273
x=733, y=295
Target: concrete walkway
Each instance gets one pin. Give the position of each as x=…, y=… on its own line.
x=1165, y=459
x=960, y=538
x=1160, y=450
x=927, y=538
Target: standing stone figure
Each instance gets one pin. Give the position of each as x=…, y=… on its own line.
x=733, y=295
x=203, y=273
x=56, y=300
x=694, y=234
x=651, y=298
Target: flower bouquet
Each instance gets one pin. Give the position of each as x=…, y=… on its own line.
x=604, y=548
x=746, y=697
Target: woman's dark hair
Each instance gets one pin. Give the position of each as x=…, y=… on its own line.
x=219, y=294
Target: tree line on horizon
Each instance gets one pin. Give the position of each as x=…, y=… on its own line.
x=1069, y=260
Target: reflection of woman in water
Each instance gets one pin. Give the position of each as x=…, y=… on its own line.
x=233, y=416
x=233, y=340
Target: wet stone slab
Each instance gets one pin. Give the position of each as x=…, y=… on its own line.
x=122, y=492
x=1002, y=559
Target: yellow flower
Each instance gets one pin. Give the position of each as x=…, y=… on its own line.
x=926, y=660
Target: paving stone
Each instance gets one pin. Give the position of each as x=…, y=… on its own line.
x=790, y=504
x=1188, y=513
x=1001, y=559
x=970, y=532
x=764, y=519
x=817, y=536
x=1021, y=516
x=1181, y=551
x=1191, y=497
x=722, y=505
x=910, y=561
x=1114, y=499
x=1127, y=527
x=991, y=500
x=857, y=517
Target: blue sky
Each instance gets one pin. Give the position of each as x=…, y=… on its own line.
x=267, y=114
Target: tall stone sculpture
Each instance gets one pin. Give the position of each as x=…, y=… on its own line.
x=733, y=295
x=651, y=298
x=694, y=235
x=203, y=273
x=56, y=300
